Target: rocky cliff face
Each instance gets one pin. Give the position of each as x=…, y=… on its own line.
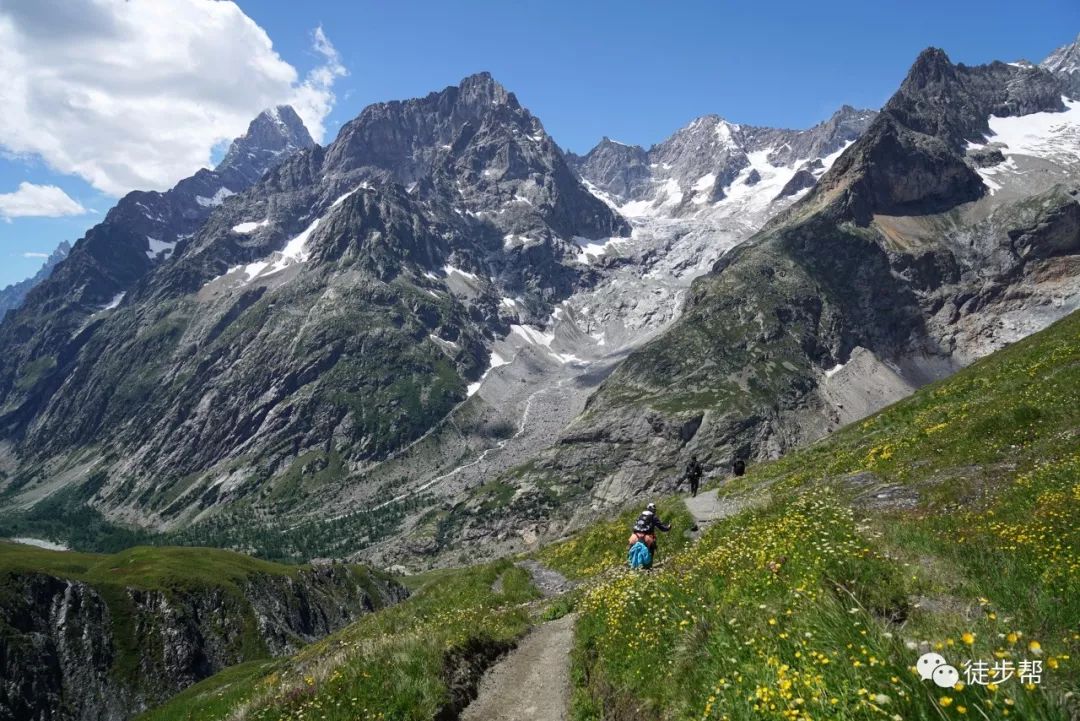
x=1064, y=64
x=13, y=296
x=76, y=650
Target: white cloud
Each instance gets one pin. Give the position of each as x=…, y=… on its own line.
x=46, y=201
x=136, y=93
x=30, y=254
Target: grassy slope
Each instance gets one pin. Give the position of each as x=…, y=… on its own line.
x=395, y=664
x=142, y=567
x=949, y=521
x=602, y=546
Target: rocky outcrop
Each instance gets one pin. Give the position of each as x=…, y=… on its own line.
x=1064, y=63
x=81, y=651
x=911, y=159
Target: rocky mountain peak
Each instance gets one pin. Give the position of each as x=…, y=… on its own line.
x=954, y=102
x=712, y=128
x=474, y=144
x=13, y=295
x=614, y=167
x=610, y=147
x=482, y=90
x=848, y=114
x=932, y=66
x=403, y=139
x=1064, y=64
x=273, y=134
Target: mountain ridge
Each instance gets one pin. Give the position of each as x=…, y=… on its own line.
x=688, y=172
x=360, y=329
x=899, y=266
x=207, y=360
x=13, y=295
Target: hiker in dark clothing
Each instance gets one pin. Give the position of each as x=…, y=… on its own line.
x=739, y=467
x=693, y=474
x=645, y=527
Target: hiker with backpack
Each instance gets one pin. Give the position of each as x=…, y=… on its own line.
x=643, y=538
x=693, y=474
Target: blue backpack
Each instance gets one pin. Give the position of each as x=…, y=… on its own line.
x=639, y=556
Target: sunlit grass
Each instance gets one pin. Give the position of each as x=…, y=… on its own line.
x=818, y=605
x=602, y=546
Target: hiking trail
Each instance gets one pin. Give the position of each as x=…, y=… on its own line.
x=708, y=507
x=548, y=582
x=532, y=682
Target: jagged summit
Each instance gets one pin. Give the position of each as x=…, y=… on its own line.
x=274, y=133
x=911, y=160
x=711, y=159
x=403, y=136
x=483, y=88
x=13, y=295
x=954, y=101
x=474, y=144
x=1064, y=64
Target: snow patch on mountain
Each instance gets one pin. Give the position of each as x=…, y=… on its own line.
x=724, y=132
x=496, y=360
x=591, y=250
x=829, y=373
x=1052, y=136
x=115, y=301
x=159, y=249
x=217, y=199
x=705, y=183
x=295, y=251
x=341, y=199
x=451, y=270
x=513, y=240
x=250, y=226
x=667, y=197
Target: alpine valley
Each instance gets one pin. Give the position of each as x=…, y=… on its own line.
x=442, y=338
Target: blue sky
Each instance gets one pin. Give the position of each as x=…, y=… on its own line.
x=634, y=71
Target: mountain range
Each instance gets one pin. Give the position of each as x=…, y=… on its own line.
x=441, y=332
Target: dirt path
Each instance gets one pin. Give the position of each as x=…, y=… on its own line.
x=533, y=682
x=708, y=507
x=549, y=582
